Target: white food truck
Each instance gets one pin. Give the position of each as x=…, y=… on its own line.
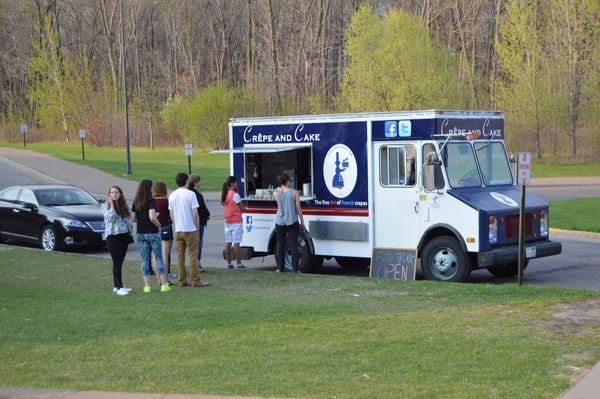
x=438, y=182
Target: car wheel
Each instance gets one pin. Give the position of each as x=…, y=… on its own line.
x=48, y=238
x=443, y=259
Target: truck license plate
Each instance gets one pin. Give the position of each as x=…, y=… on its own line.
x=530, y=252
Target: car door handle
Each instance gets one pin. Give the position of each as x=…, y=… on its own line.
x=16, y=210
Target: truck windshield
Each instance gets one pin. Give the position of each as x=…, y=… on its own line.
x=495, y=167
x=471, y=165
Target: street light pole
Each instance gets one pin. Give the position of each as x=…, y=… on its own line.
x=126, y=107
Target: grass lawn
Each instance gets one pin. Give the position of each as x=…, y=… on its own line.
x=266, y=334
x=580, y=214
x=568, y=168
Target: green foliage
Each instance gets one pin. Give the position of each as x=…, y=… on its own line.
x=394, y=64
x=523, y=88
x=265, y=334
x=545, y=56
x=61, y=89
x=203, y=119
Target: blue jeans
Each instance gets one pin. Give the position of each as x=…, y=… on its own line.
x=149, y=243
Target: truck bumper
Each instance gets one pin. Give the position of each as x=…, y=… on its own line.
x=507, y=255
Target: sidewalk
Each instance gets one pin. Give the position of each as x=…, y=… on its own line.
x=98, y=182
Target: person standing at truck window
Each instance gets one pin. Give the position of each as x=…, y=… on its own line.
x=232, y=212
x=289, y=213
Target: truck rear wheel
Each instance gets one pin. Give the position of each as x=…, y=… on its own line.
x=307, y=263
x=443, y=259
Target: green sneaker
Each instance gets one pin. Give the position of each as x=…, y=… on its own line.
x=165, y=288
x=147, y=289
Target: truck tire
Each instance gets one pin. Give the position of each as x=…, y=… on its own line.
x=307, y=263
x=443, y=259
x=353, y=263
x=510, y=270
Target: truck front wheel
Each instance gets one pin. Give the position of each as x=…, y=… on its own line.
x=443, y=259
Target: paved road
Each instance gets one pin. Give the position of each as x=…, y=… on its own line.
x=574, y=268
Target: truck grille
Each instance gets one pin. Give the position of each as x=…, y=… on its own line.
x=512, y=225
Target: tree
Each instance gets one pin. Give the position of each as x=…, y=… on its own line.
x=395, y=65
x=50, y=75
x=521, y=64
x=203, y=120
x=575, y=38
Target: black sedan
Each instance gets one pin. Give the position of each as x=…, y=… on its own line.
x=51, y=216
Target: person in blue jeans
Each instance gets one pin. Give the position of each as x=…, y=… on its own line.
x=148, y=235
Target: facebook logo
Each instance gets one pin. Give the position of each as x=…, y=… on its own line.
x=391, y=129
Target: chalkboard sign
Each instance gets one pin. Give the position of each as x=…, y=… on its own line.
x=394, y=263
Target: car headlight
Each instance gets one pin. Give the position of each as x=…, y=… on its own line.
x=67, y=222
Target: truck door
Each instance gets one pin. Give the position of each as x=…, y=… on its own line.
x=396, y=196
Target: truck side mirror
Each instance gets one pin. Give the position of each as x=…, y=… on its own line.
x=432, y=173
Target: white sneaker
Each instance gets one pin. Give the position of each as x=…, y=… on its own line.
x=115, y=289
x=123, y=291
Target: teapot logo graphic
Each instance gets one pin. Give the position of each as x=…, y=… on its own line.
x=340, y=170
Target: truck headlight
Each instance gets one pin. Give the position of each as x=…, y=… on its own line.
x=544, y=224
x=493, y=229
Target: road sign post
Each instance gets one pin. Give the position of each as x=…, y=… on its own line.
x=524, y=177
x=82, y=137
x=188, y=153
x=24, y=131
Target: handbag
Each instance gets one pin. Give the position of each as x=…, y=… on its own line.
x=130, y=239
x=166, y=232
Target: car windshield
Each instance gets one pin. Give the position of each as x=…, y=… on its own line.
x=64, y=197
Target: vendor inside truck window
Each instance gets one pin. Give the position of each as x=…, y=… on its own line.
x=262, y=168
